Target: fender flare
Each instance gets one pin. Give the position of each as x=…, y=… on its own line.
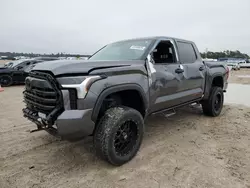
x=209, y=83
x=114, y=89
x=216, y=75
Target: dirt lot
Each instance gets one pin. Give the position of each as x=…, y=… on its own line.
x=185, y=150
x=3, y=61
x=233, y=77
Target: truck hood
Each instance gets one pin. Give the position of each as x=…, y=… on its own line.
x=61, y=67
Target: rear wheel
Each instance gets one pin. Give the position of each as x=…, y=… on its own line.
x=5, y=80
x=119, y=134
x=213, y=105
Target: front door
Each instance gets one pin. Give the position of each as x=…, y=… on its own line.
x=165, y=77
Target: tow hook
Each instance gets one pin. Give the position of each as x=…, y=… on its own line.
x=40, y=125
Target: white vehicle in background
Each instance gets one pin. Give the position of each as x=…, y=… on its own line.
x=244, y=64
x=209, y=59
x=233, y=64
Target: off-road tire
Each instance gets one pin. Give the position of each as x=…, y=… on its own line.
x=8, y=80
x=107, y=130
x=209, y=106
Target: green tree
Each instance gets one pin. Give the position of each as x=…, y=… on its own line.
x=224, y=54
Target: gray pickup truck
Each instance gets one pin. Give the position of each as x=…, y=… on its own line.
x=109, y=95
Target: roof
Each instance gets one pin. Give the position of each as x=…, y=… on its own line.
x=45, y=58
x=154, y=38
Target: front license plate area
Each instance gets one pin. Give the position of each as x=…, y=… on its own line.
x=42, y=115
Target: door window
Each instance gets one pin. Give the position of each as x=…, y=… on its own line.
x=35, y=62
x=186, y=52
x=19, y=67
x=164, y=53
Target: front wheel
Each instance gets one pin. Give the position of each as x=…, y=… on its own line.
x=119, y=134
x=5, y=80
x=213, y=105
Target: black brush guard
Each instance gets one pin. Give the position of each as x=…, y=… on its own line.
x=40, y=99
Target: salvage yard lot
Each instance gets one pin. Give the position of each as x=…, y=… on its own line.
x=3, y=61
x=184, y=150
x=240, y=76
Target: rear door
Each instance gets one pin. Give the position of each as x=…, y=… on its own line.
x=194, y=71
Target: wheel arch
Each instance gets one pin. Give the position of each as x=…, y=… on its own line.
x=114, y=89
x=211, y=82
x=217, y=80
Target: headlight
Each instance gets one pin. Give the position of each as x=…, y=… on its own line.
x=71, y=80
x=80, y=83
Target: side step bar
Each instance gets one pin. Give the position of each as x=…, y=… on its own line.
x=168, y=112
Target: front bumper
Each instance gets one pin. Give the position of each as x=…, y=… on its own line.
x=71, y=124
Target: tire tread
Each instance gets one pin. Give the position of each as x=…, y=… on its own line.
x=104, y=131
x=207, y=104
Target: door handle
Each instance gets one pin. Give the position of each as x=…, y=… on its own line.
x=201, y=68
x=179, y=70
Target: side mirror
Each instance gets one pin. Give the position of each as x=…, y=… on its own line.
x=150, y=63
x=19, y=67
x=150, y=58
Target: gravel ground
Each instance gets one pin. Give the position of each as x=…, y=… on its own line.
x=184, y=150
x=234, y=76
x=3, y=61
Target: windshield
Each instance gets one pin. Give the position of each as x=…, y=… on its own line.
x=125, y=50
x=7, y=64
x=12, y=64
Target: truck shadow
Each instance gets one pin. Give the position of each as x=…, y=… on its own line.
x=82, y=153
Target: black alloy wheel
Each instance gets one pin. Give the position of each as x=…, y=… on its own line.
x=5, y=80
x=119, y=134
x=125, y=138
x=214, y=104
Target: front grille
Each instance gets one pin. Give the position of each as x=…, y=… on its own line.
x=41, y=99
x=43, y=95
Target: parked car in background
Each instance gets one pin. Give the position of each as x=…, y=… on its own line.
x=234, y=65
x=244, y=64
x=15, y=72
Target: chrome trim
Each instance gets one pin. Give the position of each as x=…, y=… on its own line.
x=80, y=88
x=175, y=49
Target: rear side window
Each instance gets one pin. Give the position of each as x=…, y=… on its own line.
x=186, y=52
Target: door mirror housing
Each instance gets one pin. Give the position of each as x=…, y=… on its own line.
x=19, y=67
x=149, y=58
x=150, y=64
